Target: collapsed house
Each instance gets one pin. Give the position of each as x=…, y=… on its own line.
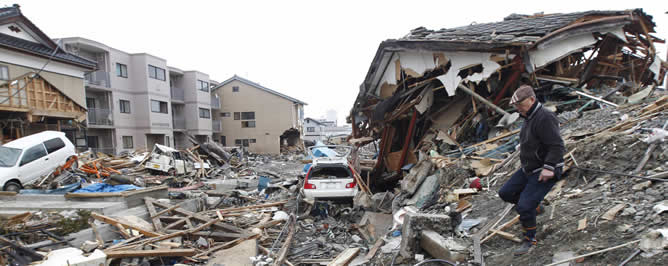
x=448, y=89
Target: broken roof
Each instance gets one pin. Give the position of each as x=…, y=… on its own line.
x=43, y=45
x=513, y=29
x=257, y=85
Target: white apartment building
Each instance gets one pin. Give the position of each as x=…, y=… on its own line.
x=135, y=100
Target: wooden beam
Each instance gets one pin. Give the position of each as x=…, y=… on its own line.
x=113, y=221
x=344, y=257
x=154, y=216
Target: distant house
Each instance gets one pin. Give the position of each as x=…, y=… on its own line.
x=257, y=117
x=41, y=85
x=315, y=129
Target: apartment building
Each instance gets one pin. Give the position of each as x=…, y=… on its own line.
x=135, y=100
x=41, y=85
x=257, y=117
x=192, y=106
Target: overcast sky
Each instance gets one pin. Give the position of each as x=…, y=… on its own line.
x=315, y=51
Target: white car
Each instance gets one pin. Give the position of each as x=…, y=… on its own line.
x=170, y=161
x=330, y=177
x=25, y=160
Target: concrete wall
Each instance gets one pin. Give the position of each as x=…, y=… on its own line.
x=273, y=116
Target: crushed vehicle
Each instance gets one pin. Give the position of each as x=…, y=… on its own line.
x=25, y=160
x=168, y=160
x=330, y=175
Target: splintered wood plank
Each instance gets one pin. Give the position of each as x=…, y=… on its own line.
x=113, y=221
x=612, y=212
x=582, y=224
x=199, y=218
x=154, y=216
x=345, y=257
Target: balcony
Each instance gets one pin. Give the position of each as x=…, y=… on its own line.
x=178, y=94
x=216, y=126
x=179, y=123
x=98, y=78
x=215, y=103
x=100, y=117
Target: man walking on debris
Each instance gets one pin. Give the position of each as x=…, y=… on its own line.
x=541, y=157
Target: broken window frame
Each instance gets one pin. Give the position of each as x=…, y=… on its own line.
x=124, y=106
x=160, y=106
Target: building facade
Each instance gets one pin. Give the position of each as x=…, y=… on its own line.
x=257, y=117
x=41, y=85
x=136, y=100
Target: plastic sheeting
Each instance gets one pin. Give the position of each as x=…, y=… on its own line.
x=63, y=190
x=104, y=187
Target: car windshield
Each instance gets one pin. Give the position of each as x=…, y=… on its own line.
x=9, y=156
x=329, y=173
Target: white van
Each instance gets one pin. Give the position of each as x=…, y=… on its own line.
x=25, y=160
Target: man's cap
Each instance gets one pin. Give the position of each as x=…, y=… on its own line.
x=523, y=92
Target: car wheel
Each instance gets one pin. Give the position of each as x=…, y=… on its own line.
x=12, y=186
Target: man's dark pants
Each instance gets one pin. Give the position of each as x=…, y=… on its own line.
x=526, y=192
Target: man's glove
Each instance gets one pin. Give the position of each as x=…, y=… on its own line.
x=545, y=175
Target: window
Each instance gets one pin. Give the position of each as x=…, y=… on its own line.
x=202, y=85
x=121, y=70
x=243, y=142
x=310, y=129
x=125, y=106
x=235, y=89
x=127, y=142
x=225, y=114
x=156, y=72
x=167, y=141
x=237, y=115
x=248, y=124
x=33, y=154
x=158, y=107
x=4, y=72
x=204, y=113
x=54, y=145
x=247, y=115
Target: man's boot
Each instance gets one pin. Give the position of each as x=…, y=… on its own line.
x=526, y=246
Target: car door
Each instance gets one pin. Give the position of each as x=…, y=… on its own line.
x=56, y=153
x=34, y=164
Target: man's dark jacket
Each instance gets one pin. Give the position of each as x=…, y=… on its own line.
x=541, y=146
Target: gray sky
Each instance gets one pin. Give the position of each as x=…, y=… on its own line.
x=316, y=52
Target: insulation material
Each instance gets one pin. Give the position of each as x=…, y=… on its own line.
x=656, y=68
x=426, y=102
x=557, y=50
x=415, y=64
x=463, y=60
